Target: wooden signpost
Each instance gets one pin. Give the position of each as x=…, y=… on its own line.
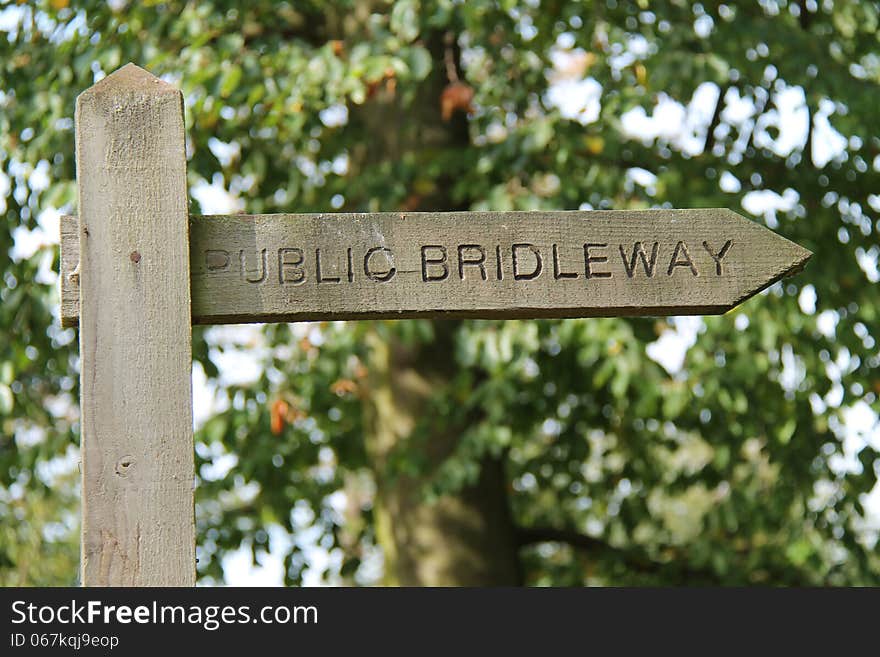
x=136, y=272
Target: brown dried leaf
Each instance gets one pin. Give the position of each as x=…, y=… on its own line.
x=343, y=387
x=457, y=96
x=278, y=416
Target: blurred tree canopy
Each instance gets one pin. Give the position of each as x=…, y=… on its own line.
x=482, y=452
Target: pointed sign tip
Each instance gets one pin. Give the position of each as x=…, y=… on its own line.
x=130, y=77
x=796, y=255
x=801, y=258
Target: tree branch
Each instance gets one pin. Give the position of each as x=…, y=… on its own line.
x=709, y=143
x=759, y=112
x=633, y=560
x=806, y=16
x=808, y=146
x=449, y=58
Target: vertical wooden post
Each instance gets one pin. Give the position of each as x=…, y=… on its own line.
x=135, y=334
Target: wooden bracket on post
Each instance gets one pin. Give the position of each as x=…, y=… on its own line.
x=135, y=334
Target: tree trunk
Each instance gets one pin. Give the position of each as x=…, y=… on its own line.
x=465, y=539
x=462, y=539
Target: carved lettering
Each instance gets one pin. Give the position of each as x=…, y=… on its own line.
x=319, y=277
x=557, y=273
x=434, y=262
x=383, y=276
x=263, y=271
x=290, y=266
x=217, y=260
x=527, y=262
x=639, y=252
x=589, y=259
x=717, y=257
x=523, y=276
x=681, y=258
x=472, y=255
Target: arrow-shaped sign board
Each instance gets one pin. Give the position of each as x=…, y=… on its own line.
x=301, y=267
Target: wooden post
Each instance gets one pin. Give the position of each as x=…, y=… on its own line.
x=135, y=334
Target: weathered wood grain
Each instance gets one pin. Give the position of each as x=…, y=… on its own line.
x=266, y=268
x=135, y=334
x=69, y=275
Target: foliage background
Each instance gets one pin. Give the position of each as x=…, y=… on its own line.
x=734, y=467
